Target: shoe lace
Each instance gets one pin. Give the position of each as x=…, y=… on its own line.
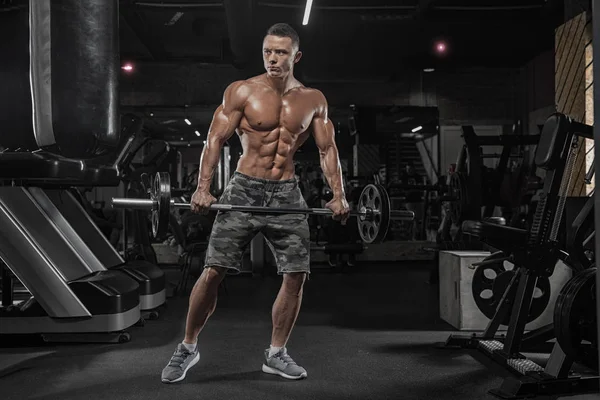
x=286, y=358
x=179, y=357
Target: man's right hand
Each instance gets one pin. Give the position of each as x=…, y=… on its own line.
x=201, y=201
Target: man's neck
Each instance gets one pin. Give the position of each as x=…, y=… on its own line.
x=282, y=85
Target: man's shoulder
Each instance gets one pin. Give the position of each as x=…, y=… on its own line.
x=253, y=80
x=238, y=92
x=317, y=97
x=240, y=86
x=312, y=91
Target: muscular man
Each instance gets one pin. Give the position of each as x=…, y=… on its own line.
x=273, y=114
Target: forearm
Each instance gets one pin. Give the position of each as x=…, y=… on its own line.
x=209, y=161
x=330, y=164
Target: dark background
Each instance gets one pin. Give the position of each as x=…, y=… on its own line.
x=498, y=66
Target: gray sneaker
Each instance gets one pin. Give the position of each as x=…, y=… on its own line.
x=282, y=364
x=180, y=362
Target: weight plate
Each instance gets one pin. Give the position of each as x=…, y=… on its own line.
x=577, y=320
x=488, y=291
x=575, y=317
x=161, y=194
x=488, y=283
x=460, y=197
x=374, y=230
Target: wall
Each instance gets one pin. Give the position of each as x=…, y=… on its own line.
x=573, y=83
x=538, y=94
x=589, y=104
x=490, y=95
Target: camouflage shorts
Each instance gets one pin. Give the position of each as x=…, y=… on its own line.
x=286, y=234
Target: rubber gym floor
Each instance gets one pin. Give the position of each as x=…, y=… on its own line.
x=368, y=334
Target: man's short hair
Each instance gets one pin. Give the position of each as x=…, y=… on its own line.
x=285, y=30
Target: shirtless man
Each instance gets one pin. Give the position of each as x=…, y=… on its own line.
x=273, y=115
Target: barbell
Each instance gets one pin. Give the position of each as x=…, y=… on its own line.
x=373, y=211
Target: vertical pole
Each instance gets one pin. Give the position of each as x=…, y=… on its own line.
x=179, y=170
x=596, y=51
x=227, y=166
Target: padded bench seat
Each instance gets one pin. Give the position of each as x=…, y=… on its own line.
x=100, y=176
x=501, y=237
x=41, y=167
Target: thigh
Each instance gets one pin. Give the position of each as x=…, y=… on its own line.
x=288, y=235
x=290, y=243
x=232, y=231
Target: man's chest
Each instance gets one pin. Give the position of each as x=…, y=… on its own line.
x=293, y=112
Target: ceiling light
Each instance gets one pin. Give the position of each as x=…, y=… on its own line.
x=428, y=69
x=174, y=19
x=187, y=121
x=417, y=129
x=440, y=47
x=197, y=133
x=127, y=67
x=307, y=12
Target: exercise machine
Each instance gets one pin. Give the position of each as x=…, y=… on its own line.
x=534, y=254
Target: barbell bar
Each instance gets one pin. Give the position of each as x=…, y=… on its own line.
x=365, y=212
x=373, y=211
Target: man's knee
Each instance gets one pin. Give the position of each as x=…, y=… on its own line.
x=294, y=281
x=214, y=274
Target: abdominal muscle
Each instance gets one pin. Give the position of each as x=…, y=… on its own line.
x=269, y=154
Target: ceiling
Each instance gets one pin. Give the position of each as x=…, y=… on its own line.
x=344, y=40
x=360, y=37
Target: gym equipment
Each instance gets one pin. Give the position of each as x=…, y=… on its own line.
x=459, y=193
x=478, y=186
x=580, y=235
x=534, y=254
x=57, y=111
x=74, y=297
x=575, y=318
x=373, y=220
x=47, y=102
x=492, y=278
x=134, y=177
x=472, y=185
x=56, y=251
x=150, y=278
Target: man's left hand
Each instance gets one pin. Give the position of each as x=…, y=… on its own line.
x=340, y=209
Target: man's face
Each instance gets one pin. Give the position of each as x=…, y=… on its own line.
x=279, y=56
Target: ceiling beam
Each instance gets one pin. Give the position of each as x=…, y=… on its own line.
x=423, y=6
x=182, y=5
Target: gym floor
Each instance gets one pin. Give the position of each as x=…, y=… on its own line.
x=369, y=334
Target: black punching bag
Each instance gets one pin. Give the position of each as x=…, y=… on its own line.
x=73, y=62
x=16, y=129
